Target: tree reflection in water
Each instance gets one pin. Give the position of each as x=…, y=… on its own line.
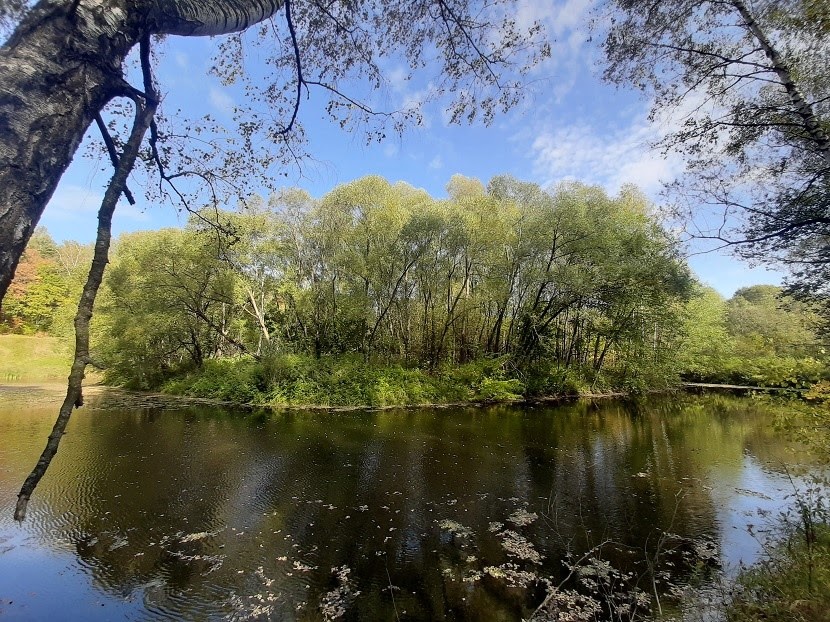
x=456, y=513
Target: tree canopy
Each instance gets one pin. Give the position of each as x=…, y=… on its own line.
x=571, y=277
x=742, y=92
x=64, y=62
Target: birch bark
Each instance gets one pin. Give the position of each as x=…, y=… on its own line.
x=59, y=69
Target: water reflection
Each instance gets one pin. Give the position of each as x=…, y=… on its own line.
x=206, y=513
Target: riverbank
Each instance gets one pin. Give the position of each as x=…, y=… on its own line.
x=351, y=383
x=342, y=383
x=98, y=396
x=38, y=359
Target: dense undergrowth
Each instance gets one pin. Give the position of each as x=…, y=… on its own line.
x=343, y=381
x=351, y=381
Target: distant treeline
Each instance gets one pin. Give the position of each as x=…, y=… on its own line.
x=542, y=290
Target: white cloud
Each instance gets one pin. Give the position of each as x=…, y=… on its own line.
x=398, y=78
x=436, y=163
x=221, y=101
x=72, y=201
x=137, y=213
x=558, y=17
x=566, y=24
x=608, y=158
x=416, y=101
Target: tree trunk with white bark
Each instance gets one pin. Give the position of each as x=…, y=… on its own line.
x=58, y=70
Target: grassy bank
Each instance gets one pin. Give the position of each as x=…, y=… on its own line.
x=26, y=358
x=295, y=380
x=349, y=381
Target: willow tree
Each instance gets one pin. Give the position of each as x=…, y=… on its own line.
x=64, y=63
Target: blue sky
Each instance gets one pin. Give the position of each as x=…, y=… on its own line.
x=570, y=126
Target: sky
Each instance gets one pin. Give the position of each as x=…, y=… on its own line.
x=569, y=126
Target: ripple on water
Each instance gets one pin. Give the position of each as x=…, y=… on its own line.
x=201, y=514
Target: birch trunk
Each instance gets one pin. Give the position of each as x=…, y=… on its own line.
x=58, y=70
x=811, y=123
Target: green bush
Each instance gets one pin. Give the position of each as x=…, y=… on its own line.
x=491, y=389
x=349, y=380
x=346, y=381
x=231, y=380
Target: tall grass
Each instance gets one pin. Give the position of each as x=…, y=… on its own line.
x=299, y=380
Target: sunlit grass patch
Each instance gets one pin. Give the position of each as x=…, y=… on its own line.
x=25, y=358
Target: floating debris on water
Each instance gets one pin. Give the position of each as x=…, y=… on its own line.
x=255, y=606
x=518, y=546
x=512, y=575
x=753, y=493
x=298, y=565
x=455, y=528
x=333, y=605
x=522, y=517
x=201, y=535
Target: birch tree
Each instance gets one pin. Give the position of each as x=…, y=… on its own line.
x=746, y=88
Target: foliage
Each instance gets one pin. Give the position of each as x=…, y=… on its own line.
x=763, y=320
x=43, y=296
x=495, y=293
x=809, y=422
x=741, y=90
x=165, y=307
x=759, y=337
x=707, y=343
x=341, y=381
x=500, y=291
x=477, y=55
x=492, y=283
x=233, y=380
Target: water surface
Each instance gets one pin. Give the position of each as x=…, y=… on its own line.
x=205, y=513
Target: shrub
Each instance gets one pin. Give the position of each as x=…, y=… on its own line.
x=491, y=389
x=231, y=380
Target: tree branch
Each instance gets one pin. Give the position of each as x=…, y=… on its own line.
x=112, y=152
x=74, y=395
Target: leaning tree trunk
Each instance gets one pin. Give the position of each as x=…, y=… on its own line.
x=74, y=397
x=58, y=70
x=811, y=124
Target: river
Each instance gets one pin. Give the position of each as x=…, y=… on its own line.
x=158, y=512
